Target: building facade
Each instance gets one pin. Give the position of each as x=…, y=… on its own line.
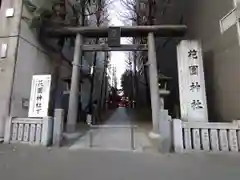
x=221, y=53
x=22, y=56
x=218, y=32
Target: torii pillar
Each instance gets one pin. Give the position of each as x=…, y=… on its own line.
x=154, y=89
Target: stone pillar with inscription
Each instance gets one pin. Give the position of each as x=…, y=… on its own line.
x=192, y=91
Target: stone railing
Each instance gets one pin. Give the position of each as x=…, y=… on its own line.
x=37, y=131
x=205, y=136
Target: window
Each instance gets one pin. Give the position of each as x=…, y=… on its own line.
x=142, y=6
x=94, y=2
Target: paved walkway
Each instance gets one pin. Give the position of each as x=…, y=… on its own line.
x=34, y=163
x=118, y=138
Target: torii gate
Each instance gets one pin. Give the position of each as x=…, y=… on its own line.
x=118, y=32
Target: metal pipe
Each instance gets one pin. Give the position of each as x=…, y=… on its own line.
x=153, y=78
x=126, y=31
x=91, y=138
x=132, y=138
x=74, y=92
x=113, y=126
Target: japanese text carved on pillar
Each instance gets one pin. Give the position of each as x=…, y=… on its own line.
x=191, y=81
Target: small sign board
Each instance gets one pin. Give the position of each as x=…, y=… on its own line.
x=228, y=20
x=114, y=36
x=39, y=98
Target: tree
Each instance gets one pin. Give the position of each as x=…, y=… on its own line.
x=140, y=16
x=136, y=15
x=100, y=17
x=104, y=83
x=127, y=78
x=48, y=12
x=126, y=83
x=53, y=13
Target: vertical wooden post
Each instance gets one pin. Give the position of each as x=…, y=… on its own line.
x=165, y=130
x=178, y=135
x=46, y=129
x=74, y=92
x=153, y=78
x=132, y=137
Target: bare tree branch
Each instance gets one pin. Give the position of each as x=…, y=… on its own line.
x=100, y=17
x=139, y=14
x=130, y=14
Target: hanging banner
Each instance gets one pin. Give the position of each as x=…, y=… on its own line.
x=192, y=91
x=39, y=98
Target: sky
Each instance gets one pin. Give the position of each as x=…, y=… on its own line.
x=118, y=58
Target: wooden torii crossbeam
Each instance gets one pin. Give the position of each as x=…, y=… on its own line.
x=126, y=31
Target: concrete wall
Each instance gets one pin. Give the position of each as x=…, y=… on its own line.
x=221, y=56
x=221, y=52
x=167, y=65
x=9, y=31
x=32, y=59
x=25, y=57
